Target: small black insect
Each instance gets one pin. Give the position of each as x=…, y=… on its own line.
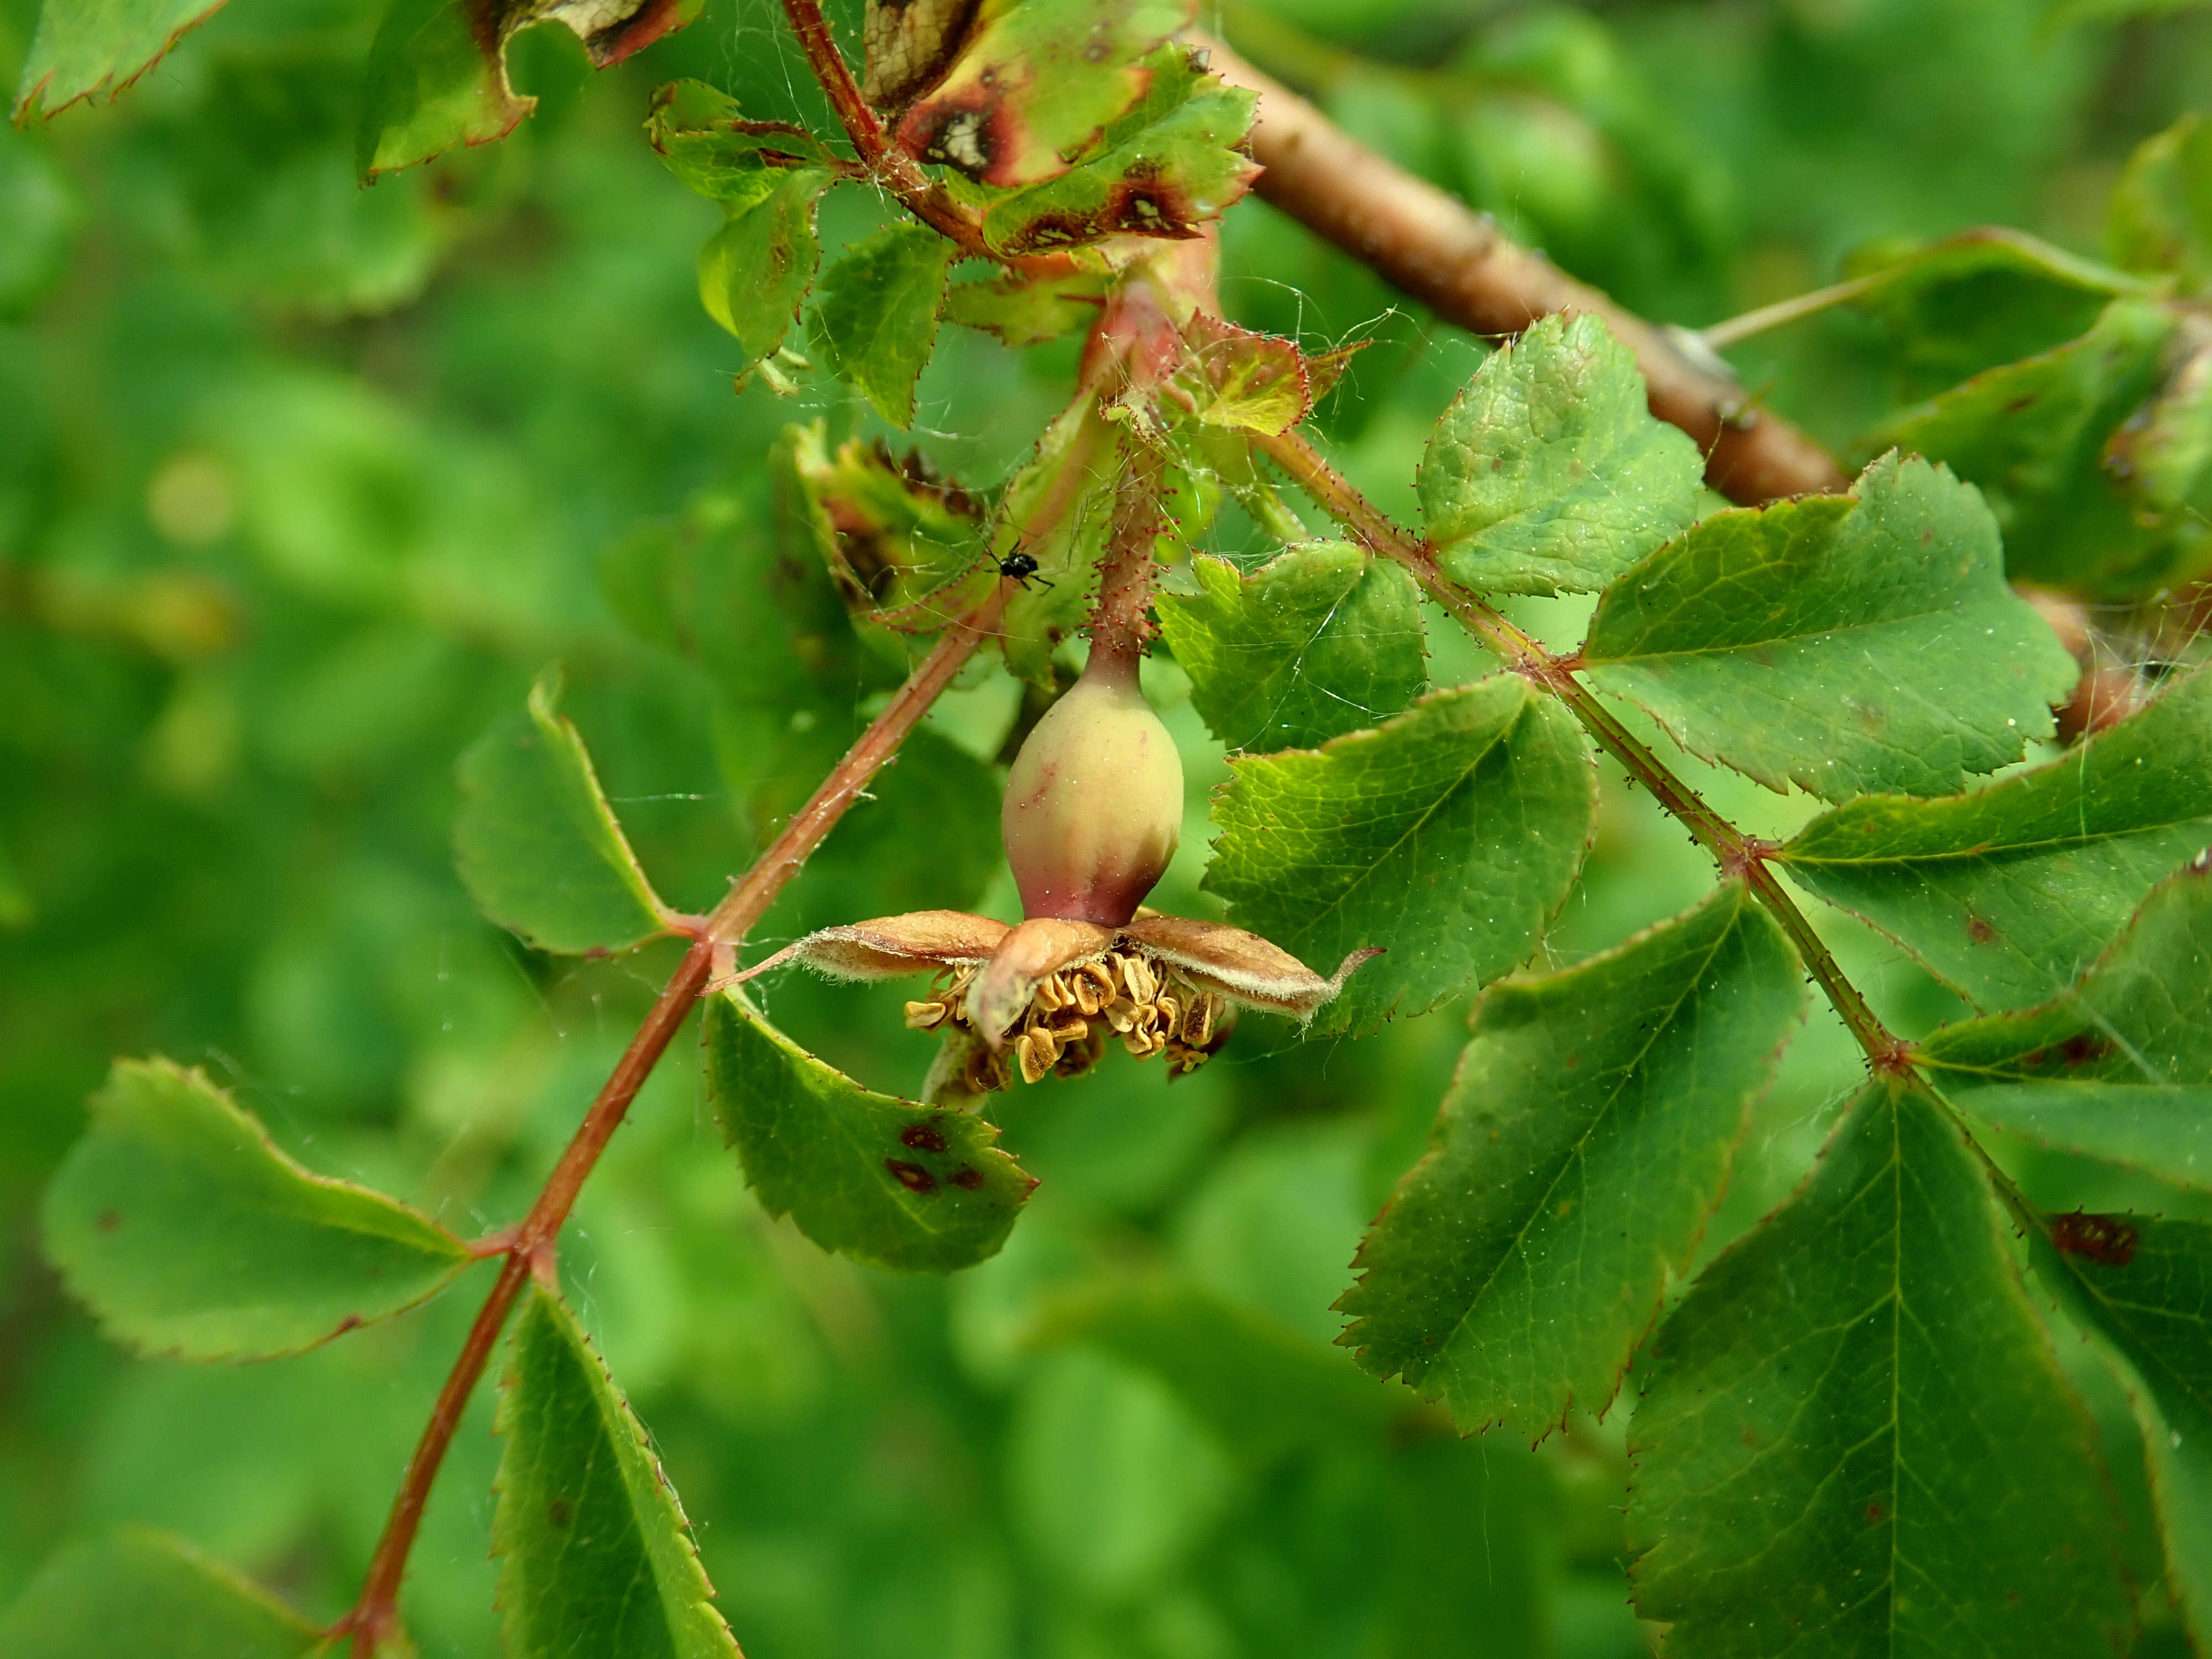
x=1019, y=569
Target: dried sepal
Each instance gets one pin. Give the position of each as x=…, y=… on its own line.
x=1240, y=966
x=890, y=946
x=1030, y=953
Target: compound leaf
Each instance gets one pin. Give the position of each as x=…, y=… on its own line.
x=1321, y=641
x=1842, y=643
x=537, y=845
x=134, y=1590
x=1583, y=1144
x=875, y=319
x=2120, y=1066
x=1853, y=1437
x=1550, y=471
x=1449, y=835
x=184, y=1229
x=2145, y=1285
x=1035, y=84
x=2011, y=892
x=82, y=48
x=2047, y=438
x=881, y=1180
x=437, y=69
x=598, y=1556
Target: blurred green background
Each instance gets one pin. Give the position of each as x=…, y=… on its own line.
x=301, y=484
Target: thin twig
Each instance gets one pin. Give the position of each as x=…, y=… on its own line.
x=1437, y=249
x=374, y=1616
x=1737, y=854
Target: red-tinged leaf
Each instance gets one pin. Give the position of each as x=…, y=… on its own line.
x=84, y=48
x=894, y=534
x=1037, y=84
x=437, y=70
x=1166, y=168
x=1236, y=377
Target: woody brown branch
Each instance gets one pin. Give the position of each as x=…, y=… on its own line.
x=1440, y=252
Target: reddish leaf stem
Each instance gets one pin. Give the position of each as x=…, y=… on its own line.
x=529, y=1248
x=1737, y=854
x=891, y=166
x=1434, y=247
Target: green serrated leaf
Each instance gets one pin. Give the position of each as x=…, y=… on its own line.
x=2158, y=216
x=1550, y=472
x=82, y=48
x=1035, y=84
x=1175, y=166
x=1842, y=643
x=1244, y=381
x=2119, y=1065
x=1027, y=312
x=537, y=845
x=707, y=143
x=437, y=69
x=2145, y=1285
x=184, y=1229
x=875, y=318
x=881, y=1180
x=1955, y=308
x=1448, y=836
x=1321, y=641
x=1583, y=1147
x=138, y=1592
x=2038, y=436
x=755, y=271
x=894, y=536
x=1853, y=1437
x=2011, y=892
x=1265, y=1390
x=597, y=1558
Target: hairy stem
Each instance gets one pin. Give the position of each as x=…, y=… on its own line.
x=1737, y=854
x=886, y=163
x=529, y=1248
x=1437, y=249
x=1119, y=629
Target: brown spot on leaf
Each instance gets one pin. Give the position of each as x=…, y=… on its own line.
x=109, y=1220
x=2083, y=1047
x=912, y=1177
x=1138, y=204
x=1980, y=931
x=923, y=1138
x=561, y=1512
x=966, y=1179
x=2108, y=1240
x=1875, y=1514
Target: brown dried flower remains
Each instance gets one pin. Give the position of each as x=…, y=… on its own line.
x=1044, y=997
x=1075, y=1013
